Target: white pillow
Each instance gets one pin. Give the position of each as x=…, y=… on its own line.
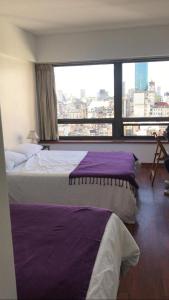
x=28, y=149
x=13, y=159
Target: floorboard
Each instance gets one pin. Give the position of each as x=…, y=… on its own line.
x=150, y=278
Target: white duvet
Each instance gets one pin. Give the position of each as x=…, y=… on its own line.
x=118, y=251
x=44, y=178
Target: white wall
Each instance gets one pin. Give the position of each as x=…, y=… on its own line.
x=7, y=274
x=17, y=99
x=16, y=42
x=17, y=83
x=144, y=152
x=101, y=45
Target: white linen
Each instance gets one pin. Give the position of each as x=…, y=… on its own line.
x=13, y=159
x=44, y=178
x=27, y=149
x=117, y=252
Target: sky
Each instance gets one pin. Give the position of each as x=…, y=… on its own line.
x=92, y=78
x=157, y=71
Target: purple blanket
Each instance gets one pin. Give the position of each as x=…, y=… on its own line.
x=55, y=248
x=104, y=168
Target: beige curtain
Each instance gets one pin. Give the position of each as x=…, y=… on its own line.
x=47, y=102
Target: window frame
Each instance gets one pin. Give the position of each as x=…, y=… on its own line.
x=118, y=121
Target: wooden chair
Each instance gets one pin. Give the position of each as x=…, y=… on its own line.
x=159, y=156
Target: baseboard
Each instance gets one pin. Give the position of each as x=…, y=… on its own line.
x=148, y=165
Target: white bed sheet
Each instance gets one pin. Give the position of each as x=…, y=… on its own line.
x=117, y=253
x=44, y=178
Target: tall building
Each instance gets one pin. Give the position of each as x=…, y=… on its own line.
x=82, y=93
x=141, y=77
x=158, y=91
x=123, y=88
x=151, y=86
x=102, y=94
x=139, y=105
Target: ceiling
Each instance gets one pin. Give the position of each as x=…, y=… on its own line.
x=50, y=16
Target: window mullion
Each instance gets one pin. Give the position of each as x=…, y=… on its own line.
x=118, y=128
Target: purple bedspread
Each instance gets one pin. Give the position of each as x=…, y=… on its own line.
x=102, y=166
x=55, y=249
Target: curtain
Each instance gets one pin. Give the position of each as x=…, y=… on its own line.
x=47, y=102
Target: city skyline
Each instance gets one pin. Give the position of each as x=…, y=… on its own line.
x=92, y=78
x=81, y=95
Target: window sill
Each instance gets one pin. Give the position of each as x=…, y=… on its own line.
x=101, y=142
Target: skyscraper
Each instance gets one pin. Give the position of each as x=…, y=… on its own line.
x=102, y=94
x=141, y=77
x=82, y=93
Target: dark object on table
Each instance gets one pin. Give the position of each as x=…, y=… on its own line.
x=45, y=147
x=160, y=155
x=166, y=133
x=166, y=191
x=166, y=163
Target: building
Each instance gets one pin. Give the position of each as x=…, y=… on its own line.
x=160, y=109
x=141, y=77
x=138, y=104
x=151, y=86
x=102, y=95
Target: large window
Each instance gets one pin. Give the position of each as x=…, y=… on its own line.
x=113, y=100
x=145, y=95
x=85, y=100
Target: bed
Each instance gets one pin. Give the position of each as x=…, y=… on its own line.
x=69, y=252
x=52, y=177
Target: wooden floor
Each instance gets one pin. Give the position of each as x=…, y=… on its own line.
x=150, y=278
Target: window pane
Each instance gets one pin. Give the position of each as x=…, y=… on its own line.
x=146, y=89
x=85, y=91
x=85, y=129
x=143, y=130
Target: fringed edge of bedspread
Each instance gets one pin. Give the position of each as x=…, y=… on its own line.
x=102, y=181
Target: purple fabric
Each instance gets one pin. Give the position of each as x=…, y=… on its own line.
x=116, y=165
x=55, y=249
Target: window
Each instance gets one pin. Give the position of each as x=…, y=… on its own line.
x=112, y=100
x=134, y=129
x=89, y=130
x=145, y=95
x=85, y=100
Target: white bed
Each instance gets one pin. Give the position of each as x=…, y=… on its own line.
x=118, y=252
x=44, y=178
